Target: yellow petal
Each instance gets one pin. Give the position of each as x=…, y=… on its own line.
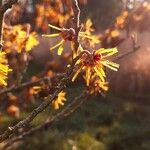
x=57, y=45
x=111, y=65
x=88, y=75
x=108, y=52
x=100, y=67
x=76, y=74
x=54, y=27
x=78, y=62
x=60, y=50
x=51, y=35
x=99, y=74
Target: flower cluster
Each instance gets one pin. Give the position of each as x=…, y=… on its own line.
x=93, y=65
x=47, y=13
x=55, y=12
x=17, y=39
x=87, y=38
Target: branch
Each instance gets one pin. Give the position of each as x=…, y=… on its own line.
x=8, y=5
x=35, y=112
x=76, y=22
x=73, y=106
x=119, y=57
x=134, y=49
x=27, y=84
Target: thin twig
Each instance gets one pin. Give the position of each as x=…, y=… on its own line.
x=119, y=57
x=135, y=48
x=76, y=23
x=27, y=84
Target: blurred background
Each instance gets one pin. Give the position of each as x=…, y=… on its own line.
x=120, y=119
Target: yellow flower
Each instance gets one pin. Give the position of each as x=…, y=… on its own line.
x=66, y=34
x=94, y=63
x=87, y=38
x=97, y=86
x=59, y=100
x=69, y=34
x=17, y=38
x=4, y=69
x=88, y=26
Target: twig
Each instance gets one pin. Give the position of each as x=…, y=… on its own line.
x=73, y=106
x=119, y=57
x=27, y=84
x=77, y=28
x=134, y=49
x=76, y=22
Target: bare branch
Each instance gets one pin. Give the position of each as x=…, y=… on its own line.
x=134, y=49
x=119, y=57
x=27, y=84
x=35, y=112
x=76, y=22
x=73, y=106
